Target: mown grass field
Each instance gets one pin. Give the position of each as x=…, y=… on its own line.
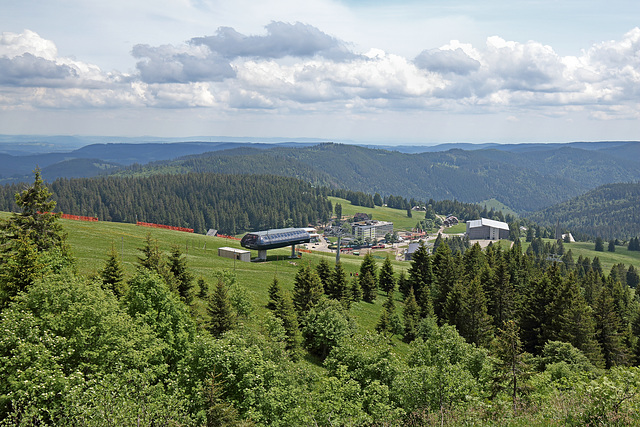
x=380, y=213
x=607, y=259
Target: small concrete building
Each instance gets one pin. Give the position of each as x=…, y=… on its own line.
x=233, y=253
x=487, y=229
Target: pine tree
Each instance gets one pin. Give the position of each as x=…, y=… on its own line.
x=286, y=312
x=221, y=317
x=599, y=244
x=324, y=272
x=307, y=290
x=338, y=289
x=113, y=274
x=608, y=330
x=411, y=316
x=275, y=294
x=445, y=276
x=476, y=324
x=511, y=368
x=368, y=286
x=404, y=286
x=421, y=278
x=355, y=291
x=386, y=280
x=633, y=279
x=183, y=278
x=369, y=264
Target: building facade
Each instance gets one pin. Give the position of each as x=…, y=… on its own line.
x=372, y=229
x=487, y=229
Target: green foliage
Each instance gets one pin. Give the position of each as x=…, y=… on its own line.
x=183, y=278
x=150, y=301
x=386, y=280
x=113, y=274
x=307, y=290
x=221, y=318
x=324, y=325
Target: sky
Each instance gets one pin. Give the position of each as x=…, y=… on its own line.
x=388, y=72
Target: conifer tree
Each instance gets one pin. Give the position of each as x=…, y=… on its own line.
x=445, y=276
x=608, y=330
x=612, y=246
x=307, y=290
x=275, y=294
x=338, y=289
x=476, y=324
x=183, y=278
x=286, y=312
x=386, y=280
x=113, y=274
x=421, y=279
x=599, y=244
x=411, y=316
x=511, y=370
x=324, y=272
x=404, y=286
x=368, y=286
x=355, y=291
x=501, y=294
x=369, y=264
x=220, y=312
x=633, y=279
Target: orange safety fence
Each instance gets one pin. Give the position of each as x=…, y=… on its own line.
x=166, y=227
x=228, y=237
x=73, y=217
x=304, y=250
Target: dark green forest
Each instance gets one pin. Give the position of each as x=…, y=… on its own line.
x=489, y=337
x=525, y=181
x=611, y=211
x=232, y=204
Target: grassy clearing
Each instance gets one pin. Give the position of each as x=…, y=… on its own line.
x=456, y=229
x=397, y=216
x=607, y=259
x=498, y=206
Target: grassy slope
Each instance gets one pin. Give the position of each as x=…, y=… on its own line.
x=607, y=259
x=91, y=241
x=397, y=216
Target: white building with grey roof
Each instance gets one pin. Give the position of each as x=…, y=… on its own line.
x=487, y=229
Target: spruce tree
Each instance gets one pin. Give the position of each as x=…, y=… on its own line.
x=368, y=286
x=386, y=280
x=476, y=325
x=608, y=330
x=355, y=291
x=411, y=315
x=369, y=264
x=307, y=290
x=324, y=272
x=183, y=278
x=599, y=244
x=286, y=312
x=338, y=289
x=511, y=369
x=220, y=312
x=445, y=276
x=113, y=274
x=404, y=286
x=275, y=294
x=421, y=279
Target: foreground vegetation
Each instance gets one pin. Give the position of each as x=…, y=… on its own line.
x=123, y=330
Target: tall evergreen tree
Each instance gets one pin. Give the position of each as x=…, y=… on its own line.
x=608, y=330
x=511, y=369
x=475, y=325
x=355, y=291
x=285, y=311
x=307, y=290
x=275, y=294
x=338, y=289
x=182, y=276
x=404, y=285
x=386, y=280
x=369, y=264
x=421, y=279
x=113, y=274
x=324, y=272
x=411, y=315
x=368, y=286
x=220, y=312
x=445, y=276
x=599, y=244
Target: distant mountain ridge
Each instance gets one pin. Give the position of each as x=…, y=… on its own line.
x=611, y=211
x=525, y=177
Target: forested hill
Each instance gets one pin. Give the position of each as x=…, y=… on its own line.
x=611, y=211
x=230, y=203
x=526, y=180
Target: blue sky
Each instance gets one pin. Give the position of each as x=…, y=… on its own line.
x=370, y=71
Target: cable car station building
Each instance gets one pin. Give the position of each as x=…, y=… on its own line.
x=275, y=238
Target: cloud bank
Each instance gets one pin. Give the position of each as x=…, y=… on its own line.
x=298, y=67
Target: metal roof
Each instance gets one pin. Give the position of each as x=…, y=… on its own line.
x=489, y=223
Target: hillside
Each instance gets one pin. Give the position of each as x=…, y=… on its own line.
x=524, y=181
x=611, y=211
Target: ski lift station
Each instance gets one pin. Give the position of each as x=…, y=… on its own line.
x=275, y=238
